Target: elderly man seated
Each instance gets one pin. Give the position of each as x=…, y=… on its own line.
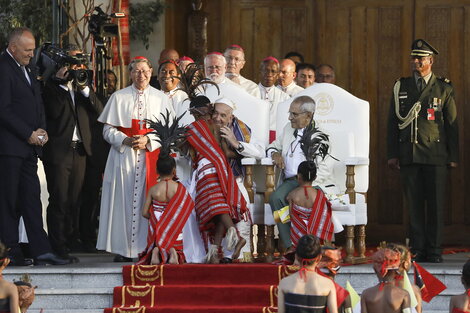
x=237, y=142
x=287, y=154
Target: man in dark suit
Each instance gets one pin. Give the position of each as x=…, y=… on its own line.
x=22, y=135
x=422, y=143
x=68, y=106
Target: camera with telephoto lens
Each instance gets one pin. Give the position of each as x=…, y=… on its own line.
x=49, y=59
x=100, y=25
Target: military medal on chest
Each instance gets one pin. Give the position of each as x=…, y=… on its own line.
x=434, y=105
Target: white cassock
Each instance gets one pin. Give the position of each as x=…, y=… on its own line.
x=180, y=103
x=122, y=228
x=250, y=86
x=274, y=96
x=292, y=89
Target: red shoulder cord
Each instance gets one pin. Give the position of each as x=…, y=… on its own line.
x=303, y=270
x=305, y=190
x=166, y=191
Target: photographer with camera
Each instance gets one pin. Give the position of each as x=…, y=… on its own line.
x=69, y=102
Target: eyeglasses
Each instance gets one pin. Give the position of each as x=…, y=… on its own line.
x=236, y=60
x=295, y=114
x=139, y=72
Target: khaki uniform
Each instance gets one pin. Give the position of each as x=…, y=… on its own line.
x=424, y=148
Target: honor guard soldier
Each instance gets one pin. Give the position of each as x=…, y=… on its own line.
x=422, y=142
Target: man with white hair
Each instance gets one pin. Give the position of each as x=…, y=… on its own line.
x=287, y=154
x=235, y=57
x=287, y=75
x=215, y=66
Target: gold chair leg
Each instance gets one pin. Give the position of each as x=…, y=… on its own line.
x=349, y=244
x=361, y=243
x=269, y=243
x=261, y=246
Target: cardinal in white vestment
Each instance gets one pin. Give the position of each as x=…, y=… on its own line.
x=122, y=228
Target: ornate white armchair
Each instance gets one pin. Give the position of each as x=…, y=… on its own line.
x=345, y=118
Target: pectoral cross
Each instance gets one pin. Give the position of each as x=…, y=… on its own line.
x=141, y=124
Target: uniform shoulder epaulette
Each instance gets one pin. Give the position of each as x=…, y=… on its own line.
x=398, y=80
x=445, y=80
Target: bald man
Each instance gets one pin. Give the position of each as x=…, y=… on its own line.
x=287, y=75
x=325, y=73
x=22, y=136
x=269, y=70
x=168, y=54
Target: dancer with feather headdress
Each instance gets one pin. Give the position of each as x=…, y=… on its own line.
x=168, y=203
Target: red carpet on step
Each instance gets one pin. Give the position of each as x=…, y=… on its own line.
x=199, y=288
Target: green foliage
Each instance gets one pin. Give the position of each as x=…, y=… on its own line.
x=35, y=14
x=142, y=18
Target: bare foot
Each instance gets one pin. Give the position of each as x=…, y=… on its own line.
x=155, y=257
x=236, y=252
x=173, y=257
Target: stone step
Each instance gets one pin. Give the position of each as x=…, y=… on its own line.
x=73, y=299
x=68, y=277
x=87, y=287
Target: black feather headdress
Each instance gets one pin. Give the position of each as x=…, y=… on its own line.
x=193, y=79
x=314, y=143
x=170, y=134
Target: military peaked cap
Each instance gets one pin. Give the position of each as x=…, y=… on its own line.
x=421, y=48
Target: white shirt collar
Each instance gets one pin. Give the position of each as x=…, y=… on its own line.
x=13, y=58
x=268, y=89
x=171, y=92
x=426, y=78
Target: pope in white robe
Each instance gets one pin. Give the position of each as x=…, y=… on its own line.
x=122, y=228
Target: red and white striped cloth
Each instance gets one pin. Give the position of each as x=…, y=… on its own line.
x=316, y=221
x=217, y=183
x=166, y=224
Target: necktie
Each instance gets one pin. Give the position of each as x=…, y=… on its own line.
x=421, y=84
x=23, y=68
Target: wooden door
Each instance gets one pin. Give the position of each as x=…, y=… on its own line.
x=368, y=42
x=447, y=25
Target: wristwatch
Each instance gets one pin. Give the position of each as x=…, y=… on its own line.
x=240, y=147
